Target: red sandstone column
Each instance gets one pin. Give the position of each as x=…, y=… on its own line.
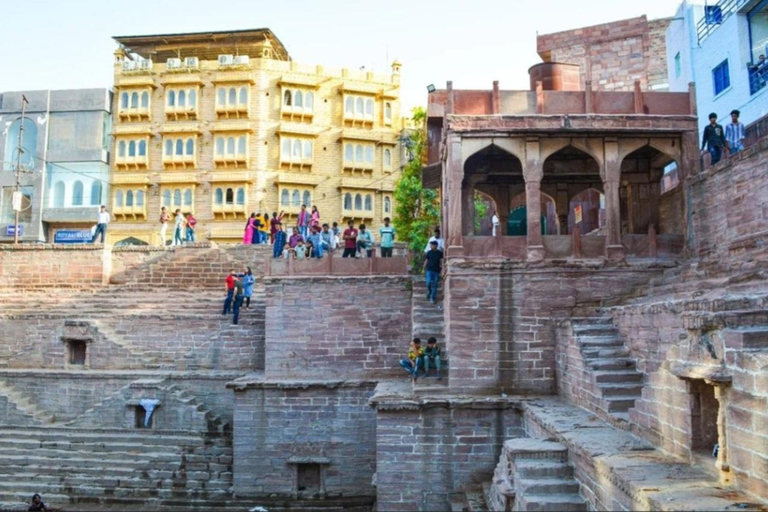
x=532, y=172
x=614, y=250
x=452, y=200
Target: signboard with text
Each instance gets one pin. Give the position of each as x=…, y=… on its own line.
x=11, y=230
x=72, y=236
x=577, y=214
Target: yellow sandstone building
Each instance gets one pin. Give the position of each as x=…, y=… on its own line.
x=223, y=124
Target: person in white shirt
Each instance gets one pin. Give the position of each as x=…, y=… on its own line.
x=180, y=220
x=101, y=226
x=436, y=238
x=495, y=221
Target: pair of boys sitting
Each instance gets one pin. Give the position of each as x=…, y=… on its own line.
x=419, y=357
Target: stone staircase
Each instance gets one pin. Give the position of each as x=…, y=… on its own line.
x=126, y=468
x=613, y=372
x=428, y=320
x=534, y=474
x=20, y=407
x=214, y=421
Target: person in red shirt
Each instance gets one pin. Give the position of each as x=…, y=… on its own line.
x=230, y=281
x=350, y=241
x=191, y=223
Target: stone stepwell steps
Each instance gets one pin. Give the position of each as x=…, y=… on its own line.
x=614, y=374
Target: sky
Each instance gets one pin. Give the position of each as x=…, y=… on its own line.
x=58, y=44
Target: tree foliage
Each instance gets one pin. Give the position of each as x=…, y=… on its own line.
x=417, y=210
x=481, y=209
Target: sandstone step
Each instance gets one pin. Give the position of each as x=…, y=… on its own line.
x=610, y=389
x=529, y=448
x=618, y=403
x=93, y=447
x=62, y=454
x=533, y=468
x=619, y=376
x=612, y=364
x=551, y=502
x=546, y=486
x=603, y=353
x=599, y=341
x=591, y=320
x=593, y=329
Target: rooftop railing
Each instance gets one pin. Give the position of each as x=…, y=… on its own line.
x=715, y=15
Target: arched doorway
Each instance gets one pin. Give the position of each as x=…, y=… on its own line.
x=517, y=224
x=587, y=211
x=641, y=199
x=567, y=172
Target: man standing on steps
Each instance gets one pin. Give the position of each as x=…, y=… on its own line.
x=101, y=226
x=350, y=241
x=164, y=218
x=280, y=238
x=303, y=222
x=432, y=269
x=230, y=281
x=387, y=234
x=238, y=300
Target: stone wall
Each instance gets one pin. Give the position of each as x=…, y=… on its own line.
x=49, y=266
x=336, y=326
x=613, y=55
x=729, y=208
x=281, y=425
x=428, y=449
x=501, y=318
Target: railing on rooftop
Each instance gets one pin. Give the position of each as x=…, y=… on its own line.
x=715, y=15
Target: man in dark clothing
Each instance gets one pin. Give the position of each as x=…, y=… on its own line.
x=280, y=239
x=714, y=139
x=432, y=269
x=230, y=281
x=350, y=241
x=238, y=300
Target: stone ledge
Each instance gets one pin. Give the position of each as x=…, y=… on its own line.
x=261, y=382
x=400, y=395
x=119, y=374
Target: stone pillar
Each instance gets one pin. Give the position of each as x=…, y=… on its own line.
x=452, y=201
x=533, y=172
x=614, y=250
x=722, y=441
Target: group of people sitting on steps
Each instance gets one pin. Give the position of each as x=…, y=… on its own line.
x=422, y=358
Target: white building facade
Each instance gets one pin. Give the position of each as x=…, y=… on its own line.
x=718, y=46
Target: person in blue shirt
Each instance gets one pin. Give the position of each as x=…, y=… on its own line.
x=281, y=238
x=248, y=281
x=317, y=241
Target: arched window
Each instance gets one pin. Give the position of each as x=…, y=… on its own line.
x=139, y=198
x=387, y=205
x=349, y=106
x=347, y=201
x=359, y=153
x=349, y=152
x=121, y=148
x=296, y=197
x=307, y=149
x=387, y=158
x=132, y=148
x=219, y=145
x=119, y=199
x=96, y=193
x=135, y=100
x=298, y=99
x=230, y=198
x=182, y=98
x=285, y=198
x=240, y=196
x=287, y=98
x=142, y=148
x=358, y=202
x=243, y=95
x=232, y=96
x=190, y=146
x=359, y=106
x=129, y=198
x=188, y=197
x=368, y=203
x=77, y=193
x=241, y=145
x=177, y=197
x=192, y=97
x=28, y=144
x=309, y=101
x=388, y=112
x=179, y=147
x=145, y=99
x=219, y=196
x=369, y=108
x=285, y=149
x=171, y=98
x=124, y=100
x=167, y=198
x=230, y=145
x=221, y=96
x=58, y=195
x=369, y=154
x=296, y=149
x=306, y=198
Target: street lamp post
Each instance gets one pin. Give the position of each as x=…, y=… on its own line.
x=17, y=192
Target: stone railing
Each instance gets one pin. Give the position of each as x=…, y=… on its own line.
x=337, y=266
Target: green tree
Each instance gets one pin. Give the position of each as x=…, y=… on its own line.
x=417, y=210
x=481, y=208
